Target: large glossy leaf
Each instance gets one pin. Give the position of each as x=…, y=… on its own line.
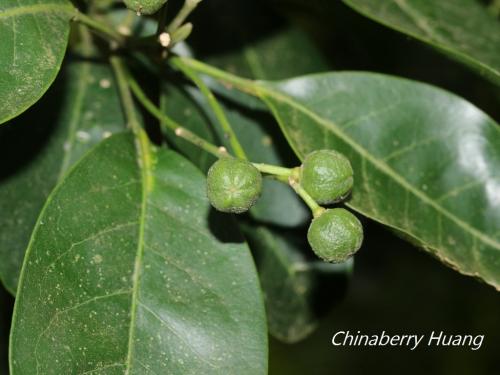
x=297, y=290
x=426, y=162
x=80, y=109
x=34, y=37
x=129, y=271
x=462, y=29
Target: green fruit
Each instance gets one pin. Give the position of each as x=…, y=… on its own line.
x=233, y=185
x=335, y=235
x=144, y=6
x=327, y=176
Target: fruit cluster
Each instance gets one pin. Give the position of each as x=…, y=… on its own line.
x=325, y=176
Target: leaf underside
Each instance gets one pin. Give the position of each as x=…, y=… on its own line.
x=130, y=271
x=426, y=162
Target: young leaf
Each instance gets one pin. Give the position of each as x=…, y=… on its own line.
x=80, y=110
x=34, y=37
x=426, y=162
x=129, y=271
x=462, y=29
x=297, y=291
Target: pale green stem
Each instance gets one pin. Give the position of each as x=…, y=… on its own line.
x=125, y=94
x=187, y=8
x=217, y=109
x=242, y=84
x=282, y=179
x=86, y=40
x=98, y=26
x=316, y=209
x=273, y=169
x=170, y=124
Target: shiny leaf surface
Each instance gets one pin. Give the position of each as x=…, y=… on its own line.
x=79, y=110
x=34, y=37
x=462, y=29
x=425, y=161
x=129, y=271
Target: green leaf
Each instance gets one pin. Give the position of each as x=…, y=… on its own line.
x=462, y=29
x=426, y=161
x=79, y=110
x=34, y=38
x=129, y=271
x=298, y=291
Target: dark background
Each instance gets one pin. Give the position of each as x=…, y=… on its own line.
x=395, y=287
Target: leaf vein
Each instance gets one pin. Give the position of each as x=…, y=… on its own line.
x=179, y=336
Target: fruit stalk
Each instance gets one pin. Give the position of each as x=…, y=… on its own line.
x=315, y=208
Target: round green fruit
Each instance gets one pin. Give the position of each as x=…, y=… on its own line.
x=233, y=185
x=327, y=176
x=144, y=6
x=335, y=235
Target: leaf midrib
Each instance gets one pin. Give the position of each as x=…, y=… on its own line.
x=145, y=164
x=262, y=91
